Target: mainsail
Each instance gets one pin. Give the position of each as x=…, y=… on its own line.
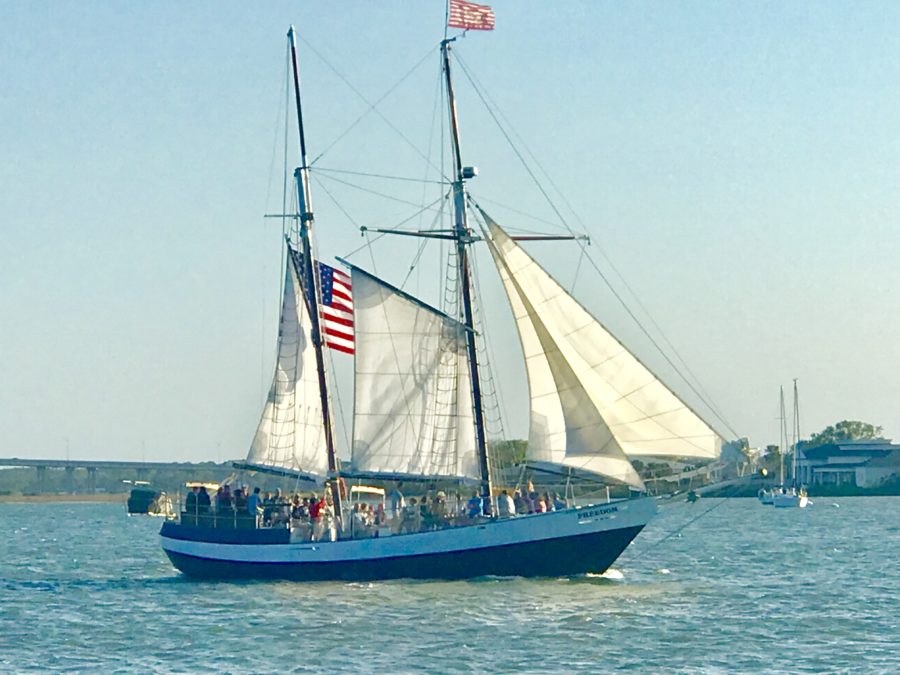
x=412, y=394
x=291, y=432
x=593, y=403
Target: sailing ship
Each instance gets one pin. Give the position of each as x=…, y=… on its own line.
x=419, y=415
x=793, y=495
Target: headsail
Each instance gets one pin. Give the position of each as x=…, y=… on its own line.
x=413, y=406
x=590, y=396
x=291, y=432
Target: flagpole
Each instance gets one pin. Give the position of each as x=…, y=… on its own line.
x=309, y=287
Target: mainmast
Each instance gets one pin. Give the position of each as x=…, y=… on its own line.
x=464, y=238
x=308, y=279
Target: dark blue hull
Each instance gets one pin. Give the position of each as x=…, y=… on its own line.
x=564, y=556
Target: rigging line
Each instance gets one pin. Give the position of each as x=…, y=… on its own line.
x=282, y=109
x=414, y=263
x=371, y=252
x=704, y=399
x=367, y=244
x=512, y=145
x=419, y=253
x=673, y=433
x=487, y=348
x=435, y=123
x=703, y=395
x=698, y=390
x=373, y=107
x=340, y=403
x=379, y=175
x=384, y=234
x=577, y=270
x=374, y=192
x=532, y=311
x=640, y=554
x=336, y=202
x=658, y=347
x=525, y=214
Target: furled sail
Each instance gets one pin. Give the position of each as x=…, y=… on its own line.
x=291, y=432
x=590, y=397
x=412, y=396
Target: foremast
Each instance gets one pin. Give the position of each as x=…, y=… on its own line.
x=464, y=238
x=308, y=278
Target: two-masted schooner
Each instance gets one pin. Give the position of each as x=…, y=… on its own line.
x=419, y=416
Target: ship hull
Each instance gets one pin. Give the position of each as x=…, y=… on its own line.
x=562, y=543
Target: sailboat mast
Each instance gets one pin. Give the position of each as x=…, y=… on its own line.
x=463, y=240
x=308, y=278
x=795, y=433
x=784, y=439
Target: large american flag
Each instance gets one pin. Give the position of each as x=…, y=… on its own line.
x=470, y=16
x=336, y=308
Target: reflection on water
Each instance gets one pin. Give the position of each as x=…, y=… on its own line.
x=744, y=588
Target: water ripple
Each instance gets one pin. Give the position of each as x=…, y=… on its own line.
x=745, y=589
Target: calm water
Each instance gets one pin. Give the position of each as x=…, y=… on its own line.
x=83, y=588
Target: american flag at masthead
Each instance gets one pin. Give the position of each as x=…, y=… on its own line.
x=470, y=16
x=336, y=308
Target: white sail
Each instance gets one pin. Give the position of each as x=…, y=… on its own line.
x=291, y=432
x=412, y=396
x=584, y=380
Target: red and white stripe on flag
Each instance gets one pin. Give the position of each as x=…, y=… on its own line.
x=470, y=16
x=336, y=308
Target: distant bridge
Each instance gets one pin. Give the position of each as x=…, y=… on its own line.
x=93, y=465
x=102, y=464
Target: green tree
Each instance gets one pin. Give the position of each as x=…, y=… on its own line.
x=845, y=430
x=509, y=453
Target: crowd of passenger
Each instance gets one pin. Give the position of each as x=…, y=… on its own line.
x=313, y=518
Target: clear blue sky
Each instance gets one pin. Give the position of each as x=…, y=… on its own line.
x=737, y=161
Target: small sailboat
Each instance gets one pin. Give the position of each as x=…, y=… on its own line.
x=793, y=495
x=419, y=415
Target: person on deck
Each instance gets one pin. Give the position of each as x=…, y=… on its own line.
x=506, y=508
x=203, y=500
x=240, y=499
x=519, y=501
x=530, y=503
x=327, y=522
x=190, y=502
x=223, y=499
x=426, y=520
x=559, y=504
x=474, y=506
x=300, y=519
x=439, y=514
x=410, y=521
x=315, y=507
x=548, y=502
x=253, y=504
x=397, y=502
